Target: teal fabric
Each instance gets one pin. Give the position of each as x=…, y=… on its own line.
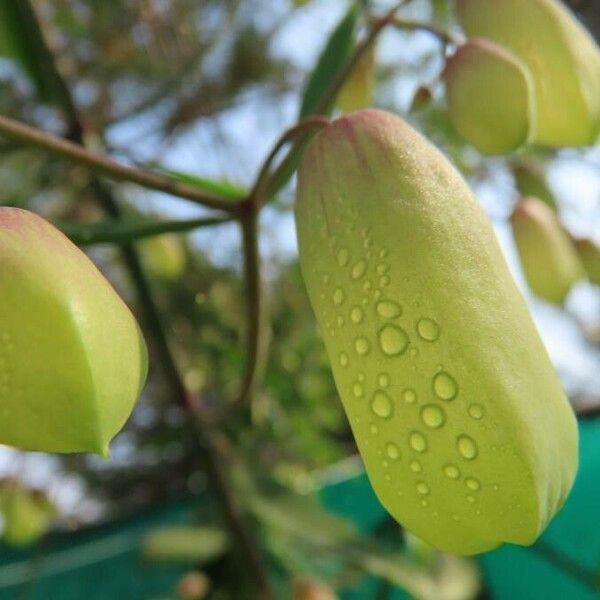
x=514, y=573
x=103, y=562
x=98, y=563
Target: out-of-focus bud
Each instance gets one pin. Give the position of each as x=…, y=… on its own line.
x=421, y=99
x=562, y=57
x=589, y=253
x=193, y=586
x=530, y=180
x=164, y=256
x=27, y=514
x=359, y=88
x=311, y=589
x=548, y=258
x=490, y=99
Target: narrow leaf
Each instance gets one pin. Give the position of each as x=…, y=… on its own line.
x=222, y=188
x=127, y=230
x=21, y=40
x=186, y=544
x=332, y=59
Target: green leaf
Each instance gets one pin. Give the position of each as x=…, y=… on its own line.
x=332, y=59
x=21, y=40
x=127, y=230
x=185, y=544
x=222, y=188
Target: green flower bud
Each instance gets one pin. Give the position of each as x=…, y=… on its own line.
x=72, y=357
x=563, y=59
x=464, y=429
x=490, y=97
x=548, y=258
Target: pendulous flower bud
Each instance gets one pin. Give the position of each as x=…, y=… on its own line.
x=464, y=429
x=548, y=258
x=490, y=98
x=72, y=357
x=561, y=55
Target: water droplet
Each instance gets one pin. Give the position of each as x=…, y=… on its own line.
x=495, y=487
x=393, y=340
x=428, y=330
x=361, y=377
x=359, y=269
x=466, y=447
x=384, y=380
x=388, y=309
x=367, y=286
x=376, y=295
x=472, y=483
x=343, y=359
x=374, y=429
x=385, y=464
x=392, y=451
x=433, y=416
x=444, y=386
x=326, y=279
x=382, y=269
x=417, y=441
x=424, y=503
x=368, y=243
x=356, y=314
x=451, y=471
x=470, y=499
x=362, y=346
x=415, y=466
x=409, y=396
x=455, y=518
x=476, y=411
x=422, y=488
x=388, y=477
x=340, y=321
x=414, y=352
x=381, y=405
x=383, y=253
x=384, y=281
x=338, y=296
x=364, y=301
x=357, y=390
x=343, y=257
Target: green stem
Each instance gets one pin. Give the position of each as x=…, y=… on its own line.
x=262, y=182
x=122, y=232
x=255, y=314
x=106, y=166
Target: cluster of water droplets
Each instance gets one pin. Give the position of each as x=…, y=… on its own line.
x=392, y=341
